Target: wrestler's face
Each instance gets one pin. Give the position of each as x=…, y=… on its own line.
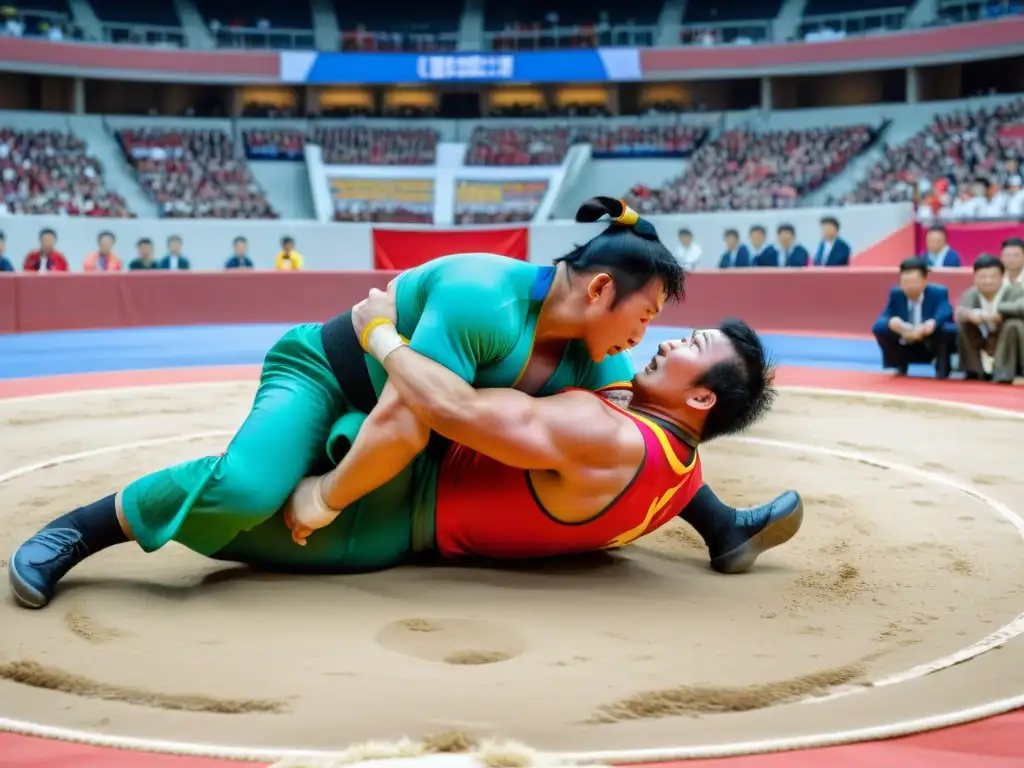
x=611, y=326
x=680, y=364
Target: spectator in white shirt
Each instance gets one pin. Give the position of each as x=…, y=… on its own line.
x=688, y=252
x=1014, y=198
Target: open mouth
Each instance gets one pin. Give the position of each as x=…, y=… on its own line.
x=653, y=365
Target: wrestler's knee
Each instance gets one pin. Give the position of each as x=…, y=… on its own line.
x=254, y=493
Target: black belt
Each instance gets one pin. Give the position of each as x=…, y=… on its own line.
x=348, y=361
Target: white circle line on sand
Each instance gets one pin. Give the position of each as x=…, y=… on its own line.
x=991, y=641
x=986, y=410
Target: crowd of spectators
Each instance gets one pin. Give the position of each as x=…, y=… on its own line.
x=274, y=145
x=518, y=146
x=49, y=172
x=964, y=165
x=382, y=212
x=363, y=145
x=746, y=170
x=195, y=174
x=47, y=256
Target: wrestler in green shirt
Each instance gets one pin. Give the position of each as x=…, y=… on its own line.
x=479, y=315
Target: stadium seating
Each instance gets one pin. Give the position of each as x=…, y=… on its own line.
x=195, y=174
x=376, y=27
x=756, y=171
x=960, y=146
x=48, y=172
x=377, y=146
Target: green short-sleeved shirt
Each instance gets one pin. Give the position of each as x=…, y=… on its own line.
x=476, y=314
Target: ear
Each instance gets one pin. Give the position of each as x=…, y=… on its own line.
x=701, y=399
x=600, y=285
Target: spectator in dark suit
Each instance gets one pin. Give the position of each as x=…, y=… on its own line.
x=832, y=251
x=937, y=251
x=5, y=263
x=46, y=258
x=174, y=258
x=240, y=258
x=916, y=325
x=736, y=254
x=762, y=254
x=145, y=258
x=791, y=254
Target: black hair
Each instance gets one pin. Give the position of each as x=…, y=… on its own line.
x=939, y=228
x=238, y=240
x=629, y=250
x=786, y=228
x=106, y=233
x=47, y=231
x=685, y=231
x=172, y=238
x=830, y=220
x=287, y=239
x=2, y=235
x=1012, y=242
x=143, y=241
x=744, y=387
x=914, y=264
x=757, y=228
x=731, y=233
x=988, y=261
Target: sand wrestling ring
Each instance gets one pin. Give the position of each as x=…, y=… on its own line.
x=897, y=609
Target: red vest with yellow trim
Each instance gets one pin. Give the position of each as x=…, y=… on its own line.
x=488, y=509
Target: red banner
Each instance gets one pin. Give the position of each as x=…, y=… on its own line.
x=399, y=249
x=974, y=239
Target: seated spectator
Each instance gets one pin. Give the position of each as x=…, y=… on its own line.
x=145, y=259
x=240, y=258
x=762, y=254
x=46, y=258
x=937, y=251
x=385, y=211
x=736, y=254
x=916, y=324
x=5, y=263
x=174, y=258
x=195, y=174
x=1009, y=357
x=978, y=319
x=791, y=253
x=103, y=258
x=377, y=146
x=49, y=172
x=288, y=259
x=688, y=252
x=832, y=251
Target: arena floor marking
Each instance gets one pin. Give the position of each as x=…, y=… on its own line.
x=991, y=641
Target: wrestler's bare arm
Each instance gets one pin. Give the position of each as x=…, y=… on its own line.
x=571, y=429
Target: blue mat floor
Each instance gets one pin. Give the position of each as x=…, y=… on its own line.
x=68, y=352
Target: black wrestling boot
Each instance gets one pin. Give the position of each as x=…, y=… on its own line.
x=45, y=558
x=756, y=530
x=737, y=537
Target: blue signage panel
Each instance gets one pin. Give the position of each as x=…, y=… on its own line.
x=523, y=67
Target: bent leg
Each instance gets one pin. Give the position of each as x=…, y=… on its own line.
x=205, y=503
x=373, y=534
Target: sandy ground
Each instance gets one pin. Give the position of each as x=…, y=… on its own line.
x=640, y=649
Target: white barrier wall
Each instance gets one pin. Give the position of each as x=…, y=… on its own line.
x=349, y=246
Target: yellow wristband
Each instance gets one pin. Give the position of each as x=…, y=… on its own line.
x=371, y=326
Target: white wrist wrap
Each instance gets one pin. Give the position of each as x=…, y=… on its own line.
x=382, y=341
x=318, y=501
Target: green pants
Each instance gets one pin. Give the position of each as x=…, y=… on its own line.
x=229, y=506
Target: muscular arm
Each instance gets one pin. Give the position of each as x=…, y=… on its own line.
x=509, y=426
x=453, y=330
